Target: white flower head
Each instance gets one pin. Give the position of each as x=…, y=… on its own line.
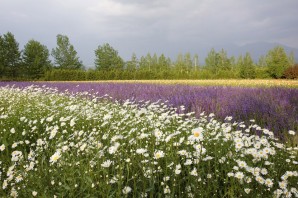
x=283, y=184
x=242, y=164
x=167, y=190
x=107, y=163
x=159, y=154
x=83, y=146
x=269, y=183
x=2, y=147
x=113, y=149
x=239, y=175
x=50, y=119
x=260, y=179
x=12, y=130
x=54, y=158
x=53, y=133
x=34, y=193
x=16, y=156
x=247, y=190
x=177, y=171
x=126, y=190
x=157, y=133
x=141, y=151
x=197, y=134
x=292, y=132
x=72, y=122
x=194, y=172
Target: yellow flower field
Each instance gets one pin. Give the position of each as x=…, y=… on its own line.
x=219, y=82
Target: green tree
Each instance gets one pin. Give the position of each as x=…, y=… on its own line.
x=164, y=67
x=142, y=64
x=196, y=63
x=262, y=61
x=211, y=61
x=1, y=57
x=148, y=59
x=154, y=64
x=277, y=61
x=239, y=64
x=180, y=67
x=188, y=63
x=246, y=66
x=163, y=63
x=292, y=59
x=223, y=61
x=35, y=59
x=132, y=65
x=65, y=55
x=233, y=62
x=10, y=56
x=107, y=58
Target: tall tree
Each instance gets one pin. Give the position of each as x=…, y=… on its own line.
x=163, y=63
x=65, y=55
x=143, y=64
x=10, y=56
x=187, y=62
x=132, y=65
x=233, y=62
x=107, y=58
x=277, y=61
x=247, y=68
x=180, y=64
x=195, y=61
x=154, y=63
x=224, y=62
x=211, y=61
x=35, y=59
x=262, y=61
x=148, y=59
x=1, y=56
x=292, y=59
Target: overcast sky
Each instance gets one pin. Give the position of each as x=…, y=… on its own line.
x=141, y=26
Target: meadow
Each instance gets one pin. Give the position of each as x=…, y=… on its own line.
x=274, y=107
x=147, y=140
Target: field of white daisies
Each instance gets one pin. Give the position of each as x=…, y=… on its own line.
x=63, y=145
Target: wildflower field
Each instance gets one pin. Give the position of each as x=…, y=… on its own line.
x=145, y=140
x=213, y=82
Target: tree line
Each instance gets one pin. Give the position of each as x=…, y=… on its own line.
x=33, y=63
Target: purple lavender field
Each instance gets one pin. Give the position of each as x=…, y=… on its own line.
x=272, y=108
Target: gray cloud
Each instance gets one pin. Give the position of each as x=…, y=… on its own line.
x=141, y=26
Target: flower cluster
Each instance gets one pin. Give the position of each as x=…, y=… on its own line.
x=65, y=145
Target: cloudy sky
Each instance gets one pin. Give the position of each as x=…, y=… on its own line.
x=141, y=26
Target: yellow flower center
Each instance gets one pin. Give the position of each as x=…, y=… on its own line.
x=196, y=133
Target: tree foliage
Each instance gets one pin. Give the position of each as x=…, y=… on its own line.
x=1, y=56
x=211, y=61
x=247, y=68
x=217, y=62
x=10, y=55
x=65, y=55
x=277, y=62
x=107, y=58
x=34, y=63
x=35, y=59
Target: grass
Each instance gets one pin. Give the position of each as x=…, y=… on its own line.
x=56, y=144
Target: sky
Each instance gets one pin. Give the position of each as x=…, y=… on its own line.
x=155, y=26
